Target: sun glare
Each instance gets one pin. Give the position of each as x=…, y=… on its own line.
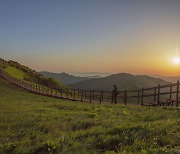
x=176, y=60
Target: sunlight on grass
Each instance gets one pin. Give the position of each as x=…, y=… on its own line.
x=35, y=124
x=15, y=72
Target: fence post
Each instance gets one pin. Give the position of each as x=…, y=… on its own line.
x=170, y=96
x=74, y=93
x=46, y=91
x=43, y=90
x=39, y=89
x=125, y=97
x=24, y=84
x=56, y=92
x=85, y=94
x=155, y=94
x=93, y=95
x=32, y=85
x=29, y=85
x=138, y=96
x=158, y=98
x=21, y=84
x=81, y=95
x=71, y=92
x=90, y=97
x=112, y=97
x=51, y=92
x=61, y=93
x=177, y=94
x=67, y=93
x=78, y=93
x=100, y=96
x=142, y=97
x=36, y=87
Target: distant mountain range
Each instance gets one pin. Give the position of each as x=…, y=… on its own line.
x=91, y=74
x=121, y=80
x=64, y=77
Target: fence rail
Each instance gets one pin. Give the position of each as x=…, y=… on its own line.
x=162, y=95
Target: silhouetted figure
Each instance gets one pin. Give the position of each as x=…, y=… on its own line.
x=115, y=94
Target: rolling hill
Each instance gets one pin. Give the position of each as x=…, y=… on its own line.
x=122, y=80
x=64, y=77
x=22, y=72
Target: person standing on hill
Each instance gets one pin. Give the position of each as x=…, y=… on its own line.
x=115, y=94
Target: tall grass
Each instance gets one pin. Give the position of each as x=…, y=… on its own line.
x=35, y=124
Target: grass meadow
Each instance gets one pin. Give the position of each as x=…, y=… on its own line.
x=32, y=123
x=15, y=72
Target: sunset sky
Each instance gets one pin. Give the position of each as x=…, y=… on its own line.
x=133, y=36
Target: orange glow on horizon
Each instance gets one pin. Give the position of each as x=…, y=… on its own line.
x=143, y=61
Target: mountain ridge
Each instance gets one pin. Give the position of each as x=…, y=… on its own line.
x=64, y=77
x=122, y=80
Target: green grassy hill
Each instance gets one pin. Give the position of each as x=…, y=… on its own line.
x=32, y=123
x=21, y=72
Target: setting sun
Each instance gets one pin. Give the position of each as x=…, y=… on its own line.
x=176, y=60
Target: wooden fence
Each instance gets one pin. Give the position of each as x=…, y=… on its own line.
x=162, y=95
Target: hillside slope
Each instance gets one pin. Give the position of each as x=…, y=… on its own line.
x=64, y=77
x=32, y=123
x=22, y=72
x=122, y=80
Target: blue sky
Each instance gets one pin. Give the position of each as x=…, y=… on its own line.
x=90, y=35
